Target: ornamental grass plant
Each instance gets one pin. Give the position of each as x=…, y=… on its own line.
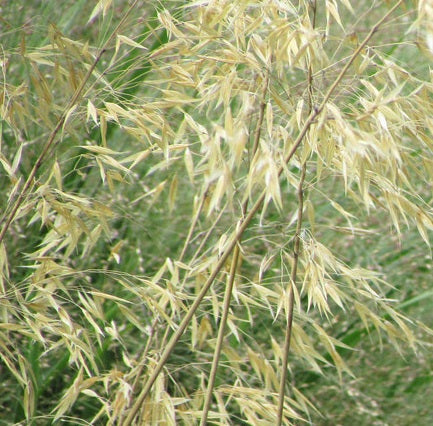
x=215, y=212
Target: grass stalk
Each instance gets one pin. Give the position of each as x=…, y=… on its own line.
x=194, y=223
x=296, y=252
x=244, y=223
x=232, y=276
x=205, y=238
x=52, y=140
x=290, y=297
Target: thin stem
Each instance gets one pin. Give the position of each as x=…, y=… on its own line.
x=157, y=316
x=296, y=251
x=242, y=225
x=194, y=223
x=220, y=338
x=141, y=362
x=52, y=142
x=290, y=297
x=232, y=276
x=206, y=237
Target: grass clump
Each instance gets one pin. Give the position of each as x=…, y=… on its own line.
x=209, y=207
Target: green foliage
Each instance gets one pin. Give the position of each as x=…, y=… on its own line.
x=195, y=195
